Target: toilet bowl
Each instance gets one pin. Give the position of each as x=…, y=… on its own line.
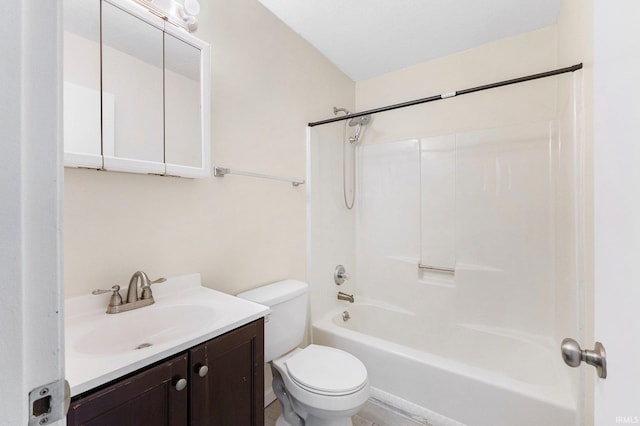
x=317, y=385
x=325, y=386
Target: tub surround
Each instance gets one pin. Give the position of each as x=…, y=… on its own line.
x=90, y=364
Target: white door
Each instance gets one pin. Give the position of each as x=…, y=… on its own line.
x=31, y=317
x=617, y=207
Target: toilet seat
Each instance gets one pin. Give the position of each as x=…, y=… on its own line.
x=330, y=400
x=326, y=371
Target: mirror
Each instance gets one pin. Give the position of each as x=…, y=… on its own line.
x=132, y=85
x=183, y=109
x=81, y=64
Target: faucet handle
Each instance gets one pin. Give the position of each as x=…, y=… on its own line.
x=340, y=275
x=116, y=299
x=115, y=288
x=146, y=290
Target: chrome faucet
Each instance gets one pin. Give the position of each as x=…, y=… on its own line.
x=134, y=300
x=345, y=296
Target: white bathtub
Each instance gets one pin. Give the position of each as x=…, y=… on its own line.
x=459, y=373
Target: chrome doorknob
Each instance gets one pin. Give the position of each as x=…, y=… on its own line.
x=571, y=352
x=573, y=355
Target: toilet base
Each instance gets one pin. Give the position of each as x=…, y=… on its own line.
x=314, y=421
x=281, y=421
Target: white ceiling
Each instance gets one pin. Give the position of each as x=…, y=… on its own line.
x=366, y=38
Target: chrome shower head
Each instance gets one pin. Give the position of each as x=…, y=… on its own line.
x=358, y=123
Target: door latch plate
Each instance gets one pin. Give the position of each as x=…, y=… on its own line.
x=48, y=403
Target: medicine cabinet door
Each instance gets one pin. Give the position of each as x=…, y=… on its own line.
x=81, y=90
x=186, y=94
x=132, y=91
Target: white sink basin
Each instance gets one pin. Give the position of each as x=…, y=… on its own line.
x=101, y=347
x=143, y=328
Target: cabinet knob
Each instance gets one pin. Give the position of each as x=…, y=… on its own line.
x=181, y=384
x=203, y=370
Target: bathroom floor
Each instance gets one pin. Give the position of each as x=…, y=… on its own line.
x=370, y=415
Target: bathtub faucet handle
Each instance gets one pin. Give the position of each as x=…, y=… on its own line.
x=340, y=275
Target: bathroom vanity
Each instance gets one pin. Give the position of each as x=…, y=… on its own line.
x=219, y=382
x=194, y=357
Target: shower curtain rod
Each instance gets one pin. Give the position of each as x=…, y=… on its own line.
x=449, y=95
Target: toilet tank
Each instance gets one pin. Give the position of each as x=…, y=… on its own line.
x=284, y=327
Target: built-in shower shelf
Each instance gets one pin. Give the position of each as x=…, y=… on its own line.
x=436, y=268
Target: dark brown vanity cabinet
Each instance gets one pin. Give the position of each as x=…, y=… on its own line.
x=228, y=391
x=232, y=391
x=150, y=397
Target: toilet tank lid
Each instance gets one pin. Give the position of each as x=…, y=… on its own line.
x=272, y=294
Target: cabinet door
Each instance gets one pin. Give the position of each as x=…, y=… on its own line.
x=186, y=104
x=82, y=127
x=232, y=392
x=148, y=398
x=132, y=91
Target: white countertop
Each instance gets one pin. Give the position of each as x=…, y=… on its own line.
x=88, y=366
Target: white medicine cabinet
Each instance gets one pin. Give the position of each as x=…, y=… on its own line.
x=136, y=91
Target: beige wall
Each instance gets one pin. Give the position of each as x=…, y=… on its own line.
x=238, y=232
x=504, y=59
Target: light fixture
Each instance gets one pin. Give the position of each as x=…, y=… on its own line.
x=174, y=12
x=191, y=7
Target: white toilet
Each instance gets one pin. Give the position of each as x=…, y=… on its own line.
x=317, y=385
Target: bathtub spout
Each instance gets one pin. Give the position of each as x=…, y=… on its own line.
x=345, y=296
